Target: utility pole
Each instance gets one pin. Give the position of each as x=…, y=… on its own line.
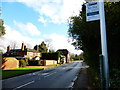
x=104, y=43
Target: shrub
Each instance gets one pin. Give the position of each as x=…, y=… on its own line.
x=34, y=62
x=22, y=63
x=51, y=56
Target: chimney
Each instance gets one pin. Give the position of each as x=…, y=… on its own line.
x=22, y=47
x=8, y=48
x=37, y=48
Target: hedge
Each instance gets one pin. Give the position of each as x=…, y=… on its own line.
x=22, y=63
x=34, y=62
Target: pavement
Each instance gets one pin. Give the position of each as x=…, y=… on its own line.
x=82, y=79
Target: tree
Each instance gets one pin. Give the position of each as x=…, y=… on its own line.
x=49, y=45
x=2, y=28
x=41, y=48
x=86, y=36
x=13, y=44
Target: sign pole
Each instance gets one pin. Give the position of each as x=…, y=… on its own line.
x=104, y=42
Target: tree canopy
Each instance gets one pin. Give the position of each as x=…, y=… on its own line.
x=2, y=28
x=41, y=48
x=86, y=35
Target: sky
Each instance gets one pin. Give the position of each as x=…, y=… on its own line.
x=34, y=21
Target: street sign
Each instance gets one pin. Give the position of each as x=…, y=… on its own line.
x=92, y=11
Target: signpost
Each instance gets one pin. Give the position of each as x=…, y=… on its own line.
x=92, y=11
x=95, y=11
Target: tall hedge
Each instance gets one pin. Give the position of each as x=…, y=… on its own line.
x=51, y=56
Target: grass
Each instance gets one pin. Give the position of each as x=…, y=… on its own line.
x=53, y=65
x=18, y=71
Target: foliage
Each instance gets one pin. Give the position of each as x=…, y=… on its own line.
x=77, y=57
x=51, y=56
x=41, y=48
x=1, y=52
x=2, y=28
x=22, y=63
x=34, y=63
x=93, y=80
x=58, y=53
x=81, y=56
x=115, y=78
x=86, y=36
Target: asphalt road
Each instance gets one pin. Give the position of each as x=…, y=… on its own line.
x=57, y=77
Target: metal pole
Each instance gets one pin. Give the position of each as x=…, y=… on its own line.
x=102, y=75
x=104, y=42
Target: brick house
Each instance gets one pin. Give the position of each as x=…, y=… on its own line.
x=23, y=52
x=65, y=54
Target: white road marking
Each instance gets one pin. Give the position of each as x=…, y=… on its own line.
x=64, y=68
x=49, y=74
x=74, y=79
x=23, y=85
x=71, y=85
x=44, y=73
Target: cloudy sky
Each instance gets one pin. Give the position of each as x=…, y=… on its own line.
x=33, y=21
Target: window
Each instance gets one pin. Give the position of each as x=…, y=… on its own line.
x=38, y=54
x=31, y=53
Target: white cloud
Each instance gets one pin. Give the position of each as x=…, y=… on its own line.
x=61, y=42
x=56, y=41
x=58, y=11
x=28, y=28
x=42, y=20
x=13, y=35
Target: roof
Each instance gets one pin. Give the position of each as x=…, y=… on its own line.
x=15, y=50
x=20, y=50
x=63, y=51
x=32, y=50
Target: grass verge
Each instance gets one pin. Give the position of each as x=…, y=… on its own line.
x=18, y=71
x=53, y=65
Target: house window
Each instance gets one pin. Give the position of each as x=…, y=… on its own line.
x=31, y=53
x=38, y=54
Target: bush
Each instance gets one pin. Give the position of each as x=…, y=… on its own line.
x=34, y=62
x=22, y=63
x=115, y=78
x=51, y=56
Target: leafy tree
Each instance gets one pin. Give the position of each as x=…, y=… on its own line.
x=2, y=28
x=41, y=48
x=86, y=36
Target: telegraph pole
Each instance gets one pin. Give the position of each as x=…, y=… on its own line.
x=104, y=43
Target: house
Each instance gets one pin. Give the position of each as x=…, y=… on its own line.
x=65, y=55
x=23, y=52
x=50, y=58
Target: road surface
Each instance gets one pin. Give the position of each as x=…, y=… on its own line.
x=57, y=77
